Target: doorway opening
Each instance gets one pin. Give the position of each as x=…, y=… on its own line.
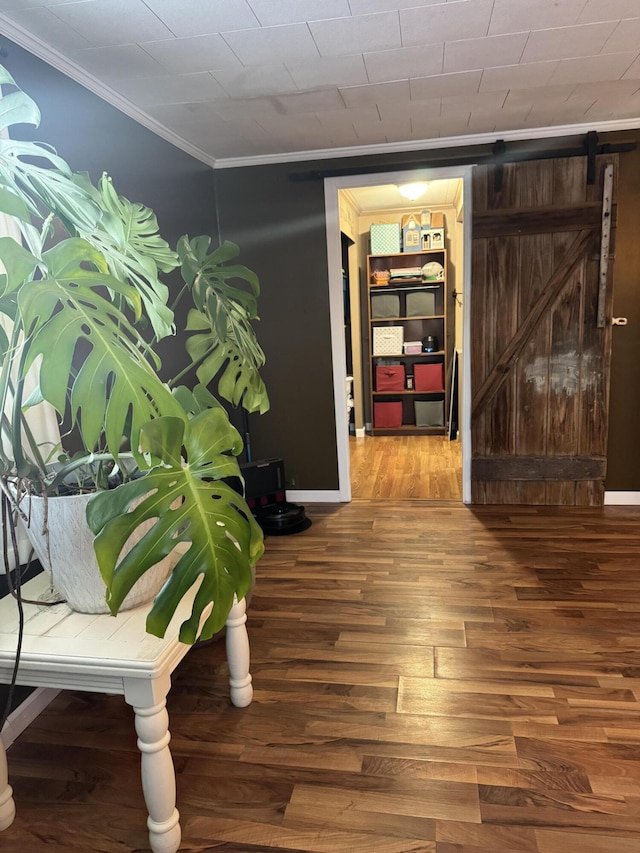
x=426, y=455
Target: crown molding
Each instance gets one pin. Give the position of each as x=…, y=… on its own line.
x=429, y=144
x=43, y=51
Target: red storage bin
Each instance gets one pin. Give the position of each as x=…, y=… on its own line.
x=388, y=415
x=428, y=377
x=390, y=377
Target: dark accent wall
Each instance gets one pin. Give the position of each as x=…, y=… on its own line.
x=279, y=224
x=279, y=221
x=623, y=459
x=280, y=227
x=93, y=136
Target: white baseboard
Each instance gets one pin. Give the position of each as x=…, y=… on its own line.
x=361, y=432
x=25, y=713
x=621, y=498
x=321, y=496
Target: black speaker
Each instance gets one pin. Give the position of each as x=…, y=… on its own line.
x=264, y=486
x=263, y=482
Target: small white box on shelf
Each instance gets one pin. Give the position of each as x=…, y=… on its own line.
x=388, y=340
x=412, y=347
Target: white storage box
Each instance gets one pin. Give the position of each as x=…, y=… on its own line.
x=388, y=340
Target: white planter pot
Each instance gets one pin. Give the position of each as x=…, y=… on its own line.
x=73, y=566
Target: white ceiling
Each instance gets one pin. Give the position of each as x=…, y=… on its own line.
x=235, y=79
x=438, y=194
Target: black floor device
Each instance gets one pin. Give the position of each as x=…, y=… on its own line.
x=265, y=494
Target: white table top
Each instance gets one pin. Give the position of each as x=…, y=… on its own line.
x=66, y=649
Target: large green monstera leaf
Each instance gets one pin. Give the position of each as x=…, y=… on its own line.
x=128, y=237
x=224, y=340
x=94, y=359
x=186, y=499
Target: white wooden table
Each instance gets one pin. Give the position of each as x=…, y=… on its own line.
x=107, y=654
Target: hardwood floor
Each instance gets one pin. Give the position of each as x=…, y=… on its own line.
x=401, y=467
x=429, y=678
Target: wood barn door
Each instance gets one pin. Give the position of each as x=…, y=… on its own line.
x=541, y=331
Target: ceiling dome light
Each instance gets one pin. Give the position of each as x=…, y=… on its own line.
x=413, y=191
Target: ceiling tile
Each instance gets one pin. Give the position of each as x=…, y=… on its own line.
x=375, y=93
x=526, y=76
x=44, y=24
x=298, y=123
x=377, y=132
x=567, y=42
x=487, y=102
x=343, y=36
x=174, y=89
x=516, y=16
x=198, y=53
x=442, y=85
x=195, y=18
x=256, y=81
x=616, y=90
x=492, y=51
x=626, y=36
x=311, y=102
x=347, y=118
x=270, y=13
x=445, y=22
x=367, y=7
x=386, y=65
x=338, y=71
x=611, y=10
x=234, y=109
x=414, y=110
x=109, y=22
x=608, y=66
x=288, y=44
x=550, y=96
x=118, y=62
x=633, y=71
x=454, y=125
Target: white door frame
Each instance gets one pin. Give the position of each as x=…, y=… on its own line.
x=336, y=308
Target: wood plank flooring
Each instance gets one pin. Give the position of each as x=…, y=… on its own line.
x=429, y=678
x=404, y=467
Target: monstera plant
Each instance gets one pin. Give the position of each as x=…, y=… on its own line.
x=83, y=305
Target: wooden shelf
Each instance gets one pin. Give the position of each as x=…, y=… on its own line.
x=393, y=319
x=410, y=429
x=409, y=354
x=407, y=391
x=416, y=328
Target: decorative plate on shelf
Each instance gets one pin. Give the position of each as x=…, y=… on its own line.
x=433, y=271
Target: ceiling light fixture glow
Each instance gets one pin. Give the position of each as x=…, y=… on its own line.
x=413, y=191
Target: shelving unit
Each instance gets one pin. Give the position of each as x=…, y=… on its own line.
x=415, y=327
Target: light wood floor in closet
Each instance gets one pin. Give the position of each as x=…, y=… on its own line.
x=423, y=467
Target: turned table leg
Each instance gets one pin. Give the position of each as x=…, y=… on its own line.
x=158, y=777
x=7, y=806
x=238, y=656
